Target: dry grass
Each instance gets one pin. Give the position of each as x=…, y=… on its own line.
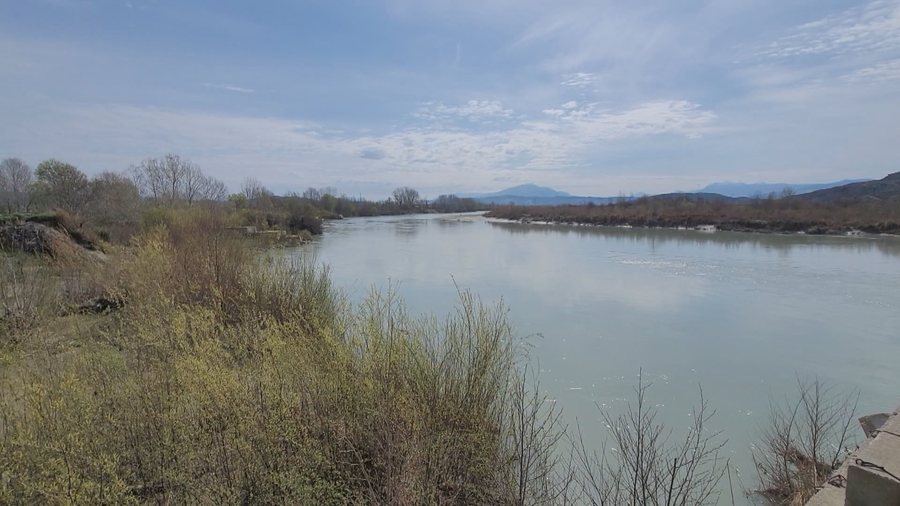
x=227, y=379
x=762, y=215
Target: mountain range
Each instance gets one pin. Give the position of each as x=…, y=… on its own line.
x=730, y=189
x=887, y=188
x=534, y=195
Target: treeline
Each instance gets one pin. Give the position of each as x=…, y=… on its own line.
x=117, y=203
x=785, y=215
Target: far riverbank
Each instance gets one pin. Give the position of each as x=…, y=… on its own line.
x=761, y=217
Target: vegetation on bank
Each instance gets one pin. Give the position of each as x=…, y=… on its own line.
x=168, y=361
x=203, y=372
x=116, y=205
x=217, y=376
x=784, y=215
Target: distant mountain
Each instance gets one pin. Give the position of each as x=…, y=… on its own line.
x=523, y=190
x=534, y=195
x=887, y=189
x=730, y=189
x=544, y=201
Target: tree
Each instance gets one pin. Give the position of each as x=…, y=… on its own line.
x=114, y=200
x=406, y=197
x=238, y=200
x=61, y=185
x=454, y=204
x=198, y=186
x=174, y=180
x=312, y=194
x=257, y=195
x=214, y=189
x=15, y=184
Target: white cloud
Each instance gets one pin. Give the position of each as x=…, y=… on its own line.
x=293, y=154
x=473, y=110
x=874, y=27
x=878, y=73
x=229, y=87
x=579, y=80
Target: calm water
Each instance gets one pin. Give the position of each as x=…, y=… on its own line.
x=740, y=314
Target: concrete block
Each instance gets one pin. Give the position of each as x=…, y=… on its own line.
x=872, y=477
x=869, y=487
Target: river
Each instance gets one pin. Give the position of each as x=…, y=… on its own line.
x=742, y=315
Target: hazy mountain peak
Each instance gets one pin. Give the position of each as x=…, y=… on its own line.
x=734, y=189
x=530, y=190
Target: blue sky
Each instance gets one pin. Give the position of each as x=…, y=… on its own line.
x=592, y=97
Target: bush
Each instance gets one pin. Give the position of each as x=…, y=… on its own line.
x=263, y=385
x=313, y=225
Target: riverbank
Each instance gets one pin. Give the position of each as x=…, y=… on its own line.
x=763, y=216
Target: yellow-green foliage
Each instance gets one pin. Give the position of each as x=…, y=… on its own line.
x=226, y=378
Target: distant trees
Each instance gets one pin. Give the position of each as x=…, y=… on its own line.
x=312, y=194
x=173, y=180
x=454, y=204
x=61, y=185
x=406, y=197
x=256, y=194
x=15, y=185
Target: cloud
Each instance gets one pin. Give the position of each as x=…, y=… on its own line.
x=229, y=87
x=372, y=154
x=879, y=73
x=579, y=80
x=473, y=110
x=873, y=27
x=291, y=153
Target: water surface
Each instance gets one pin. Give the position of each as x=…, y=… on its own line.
x=743, y=315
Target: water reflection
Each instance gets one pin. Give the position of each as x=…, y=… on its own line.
x=768, y=242
x=735, y=312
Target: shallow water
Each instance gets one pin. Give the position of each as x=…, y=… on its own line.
x=742, y=315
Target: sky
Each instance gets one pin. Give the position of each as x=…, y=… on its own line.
x=592, y=97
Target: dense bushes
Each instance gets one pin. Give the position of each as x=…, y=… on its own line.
x=226, y=378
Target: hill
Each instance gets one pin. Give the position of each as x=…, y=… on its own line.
x=527, y=190
x=730, y=189
x=534, y=195
x=882, y=190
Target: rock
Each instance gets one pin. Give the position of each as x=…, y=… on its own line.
x=99, y=305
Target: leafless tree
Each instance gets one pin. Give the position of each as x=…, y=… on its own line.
x=175, y=180
x=312, y=194
x=252, y=188
x=540, y=474
x=15, y=184
x=406, y=197
x=214, y=189
x=807, y=438
x=152, y=179
x=647, y=466
x=256, y=193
